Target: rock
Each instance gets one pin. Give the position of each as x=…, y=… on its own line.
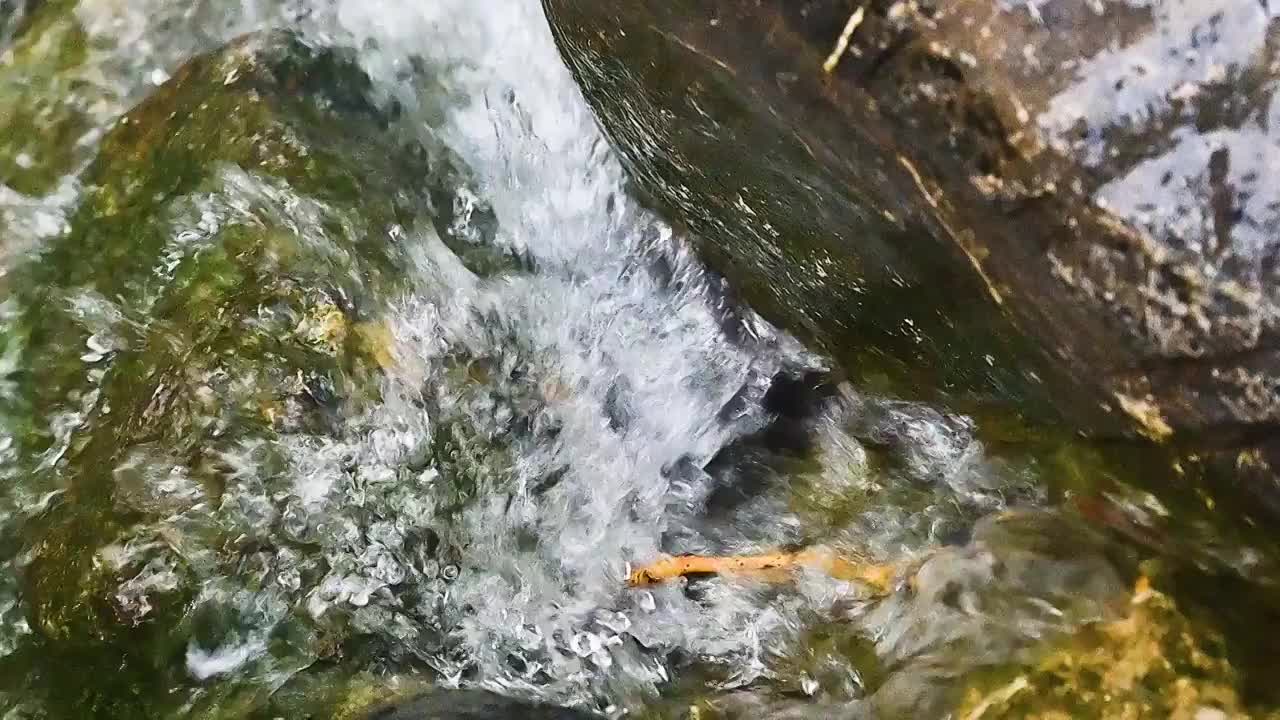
x=217, y=309
x=242, y=225
x=442, y=704
x=45, y=107
x=1066, y=207
x=1109, y=669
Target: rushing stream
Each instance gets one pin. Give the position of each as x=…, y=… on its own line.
x=533, y=434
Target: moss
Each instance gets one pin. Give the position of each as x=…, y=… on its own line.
x=1151, y=663
x=829, y=660
x=238, y=108
x=157, y=398
x=233, y=331
x=335, y=692
x=44, y=106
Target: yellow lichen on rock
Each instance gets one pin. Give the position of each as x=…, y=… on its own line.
x=1147, y=415
x=1148, y=664
x=367, y=692
x=324, y=327
x=378, y=342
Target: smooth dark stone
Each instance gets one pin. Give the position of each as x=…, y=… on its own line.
x=927, y=202
x=999, y=206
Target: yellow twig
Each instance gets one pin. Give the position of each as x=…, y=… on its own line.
x=1003, y=695
x=843, y=43
x=670, y=568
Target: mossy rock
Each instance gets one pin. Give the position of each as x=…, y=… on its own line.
x=244, y=225
x=1151, y=663
x=45, y=108
x=444, y=704
x=258, y=108
x=337, y=693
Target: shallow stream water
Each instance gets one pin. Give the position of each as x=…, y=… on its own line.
x=612, y=404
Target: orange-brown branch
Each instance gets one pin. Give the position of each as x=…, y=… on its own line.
x=767, y=565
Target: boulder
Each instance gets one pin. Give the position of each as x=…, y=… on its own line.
x=219, y=288
x=1065, y=208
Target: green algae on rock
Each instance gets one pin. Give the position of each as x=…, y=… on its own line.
x=223, y=123
x=471, y=705
x=241, y=222
x=45, y=107
x=1150, y=663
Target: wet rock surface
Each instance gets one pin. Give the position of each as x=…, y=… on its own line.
x=1067, y=206
x=1106, y=670
x=219, y=290
x=471, y=705
x=1062, y=208
x=45, y=106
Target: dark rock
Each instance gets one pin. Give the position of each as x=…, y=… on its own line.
x=617, y=405
x=752, y=466
x=799, y=396
x=472, y=705
x=1066, y=207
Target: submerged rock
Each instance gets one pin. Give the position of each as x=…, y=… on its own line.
x=1066, y=207
x=1150, y=663
x=471, y=705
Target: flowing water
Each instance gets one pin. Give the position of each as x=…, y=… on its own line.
x=475, y=525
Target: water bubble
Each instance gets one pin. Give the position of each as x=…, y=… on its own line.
x=290, y=579
x=295, y=523
x=357, y=590
x=808, y=685
x=331, y=588
x=602, y=660
x=418, y=459
x=617, y=622
x=430, y=569
x=583, y=644
x=382, y=565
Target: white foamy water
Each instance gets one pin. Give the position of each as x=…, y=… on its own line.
x=596, y=328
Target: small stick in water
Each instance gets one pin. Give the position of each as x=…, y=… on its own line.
x=821, y=559
x=842, y=44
